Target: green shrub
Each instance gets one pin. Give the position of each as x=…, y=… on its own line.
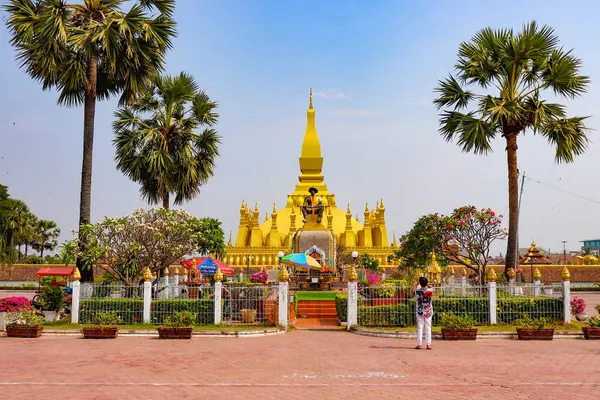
x=594, y=322
x=107, y=319
x=203, y=309
x=52, y=298
x=23, y=318
x=532, y=323
x=452, y=321
x=131, y=311
x=341, y=306
x=395, y=315
x=510, y=309
x=184, y=319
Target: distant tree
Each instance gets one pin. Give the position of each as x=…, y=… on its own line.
x=91, y=51
x=46, y=236
x=165, y=141
x=497, y=91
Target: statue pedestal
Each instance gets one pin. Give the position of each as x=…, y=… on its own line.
x=316, y=240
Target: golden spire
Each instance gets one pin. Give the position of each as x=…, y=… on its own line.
x=230, y=243
x=357, y=220
x=366, y=207
x=310, y=106
x=256, y=207
x=382, y=206
x=274, y=208
x=394, y=242
x=349, y=212
x=311, y=162
x=243, y=206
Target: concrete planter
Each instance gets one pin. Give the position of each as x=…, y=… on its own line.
x=96, y=332
x=459, y=333
x=51, y=316
x=248, y=316
x=175, y=333
x=24, y=331
x=535, y=333
x=591, y=333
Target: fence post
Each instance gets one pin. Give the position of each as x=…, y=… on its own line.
x=174, y=284
x=463, y=282
x=492, y=296
x=147, y=295
x=218, y=299
x=566, y=278
x=75, y=296
x=537, y=282
x=163, y=285
x=352, y=309
x=284, y=277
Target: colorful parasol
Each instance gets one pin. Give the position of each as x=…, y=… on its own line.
x=301, y=260
x=209, y=265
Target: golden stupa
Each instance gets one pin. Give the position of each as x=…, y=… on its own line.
x=257, y=244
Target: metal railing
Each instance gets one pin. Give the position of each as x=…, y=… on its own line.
x=127, y=301
x=250, y=305
x=200, y=302
x=529, y=301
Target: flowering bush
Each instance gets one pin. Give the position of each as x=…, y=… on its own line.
x=464, y=237
x=577, y=305
x=23, y=318
x=153, y=238
x=374, y=280
x=15, y=303
x=259, y=277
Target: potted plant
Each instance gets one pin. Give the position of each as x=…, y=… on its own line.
x=103, y=327
x=177, y=326
x=10, y=304
x=592, y=332
x=24, y=324
x=534, y=329
x=578, y=308
x=52, y=300
x=458, y=327
x=248, y=315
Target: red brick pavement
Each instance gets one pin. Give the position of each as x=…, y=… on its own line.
x=298, y=365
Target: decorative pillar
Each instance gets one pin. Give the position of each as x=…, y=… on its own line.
x=352, y=309
x=284, y=277
x=174, y=284
x=566, y=278
x=147, y=295
x=75, y=296
x=511, y=281
x=218, y=308
x=492, y=296
x=537, y=283
x=463, y=282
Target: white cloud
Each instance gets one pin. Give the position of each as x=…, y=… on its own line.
x=331, y=94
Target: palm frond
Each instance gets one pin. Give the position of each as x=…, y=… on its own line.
x=472, y=134
x=568, y=135
x=562, y=74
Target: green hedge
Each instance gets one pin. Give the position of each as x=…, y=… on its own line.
x=204, y=310
x=508, y=310
x=341, y=306
x=131, y=311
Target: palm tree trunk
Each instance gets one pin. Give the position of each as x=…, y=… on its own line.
x=42, y=252
x=26, y=248
x=20, y=254
x=89, y=111
x=513, y=202
x=165, y=198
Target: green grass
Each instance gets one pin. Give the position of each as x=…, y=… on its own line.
x=67, y=325
x=306, y=296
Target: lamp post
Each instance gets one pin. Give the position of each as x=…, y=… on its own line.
x=355, y=257
x=564, y=242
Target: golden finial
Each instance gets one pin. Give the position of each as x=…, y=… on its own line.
x=394, y=241
x=382, y=206
x=147, y=275
x=266, y=217
x=274, y=208
x=377, y=205
x=218, y=277
x=284, y=276
x=166, y=272
x=352, y=274
x=175, y=271
x=566, y=275
x=256, y=207
x=511, y=273
x=349, y=212
x=357, y=220
x=463, y=271
x=310, y=105
x=76, y=275
x=491, y=276
x=243, y=205
x=537, y=275
x=367, y=207
x=230, y=242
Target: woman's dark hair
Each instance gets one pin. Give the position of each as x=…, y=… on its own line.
x=423, y=281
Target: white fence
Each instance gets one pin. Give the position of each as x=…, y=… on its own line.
x=147, y=303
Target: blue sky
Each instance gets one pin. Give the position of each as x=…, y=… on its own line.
x=373, y=67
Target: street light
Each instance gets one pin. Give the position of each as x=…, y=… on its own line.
x=564, y=242
x=355, y=256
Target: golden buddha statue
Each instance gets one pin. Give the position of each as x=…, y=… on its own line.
x=312, y=207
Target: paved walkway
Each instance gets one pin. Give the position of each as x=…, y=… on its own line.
x=298, y=365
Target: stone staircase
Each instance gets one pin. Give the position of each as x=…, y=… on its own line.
x=315, y=314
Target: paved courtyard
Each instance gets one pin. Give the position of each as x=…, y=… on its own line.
x=297, y=365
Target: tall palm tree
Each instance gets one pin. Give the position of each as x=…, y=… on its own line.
x=15, y=222
x=46, y=236
x=165, y=141
x=500, y=78
x=90, y=52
